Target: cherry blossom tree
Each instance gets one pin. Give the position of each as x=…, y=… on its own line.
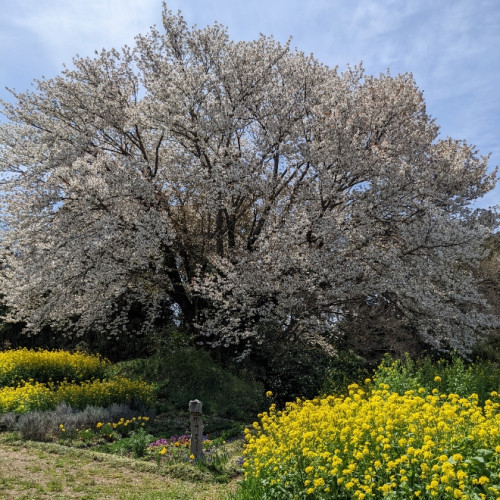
x=238, y=185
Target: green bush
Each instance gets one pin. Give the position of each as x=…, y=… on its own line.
x=187, y=374
x=288, y=366
x=344, y=369
x=449, y=376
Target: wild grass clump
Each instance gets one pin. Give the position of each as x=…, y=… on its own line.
x=8, y=421
x=49, y=425
x=374, y=443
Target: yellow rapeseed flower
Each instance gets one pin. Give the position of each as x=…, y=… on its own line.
x=374, y=443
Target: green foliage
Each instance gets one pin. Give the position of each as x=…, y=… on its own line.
x=290, y=367
x=215, y=459
x=489, y=348
x=187, y=374
x=450, y=376
x=136, y=443
x=139, y=440
x=344, y=369
x=251, y=489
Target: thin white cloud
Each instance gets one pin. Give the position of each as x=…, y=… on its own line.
x=450, y=46
x=65, y=27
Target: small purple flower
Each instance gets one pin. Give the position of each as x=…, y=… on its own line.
x=184, y=438
x=159, y=442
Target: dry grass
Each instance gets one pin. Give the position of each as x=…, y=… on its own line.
x=47, y=470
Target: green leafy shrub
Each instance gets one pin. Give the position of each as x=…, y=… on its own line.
x=344, y=369
x=138, y=442
x=188, y=374
x=289, y=366
x=454, y=376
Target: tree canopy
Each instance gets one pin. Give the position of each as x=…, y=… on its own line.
x=236, y=186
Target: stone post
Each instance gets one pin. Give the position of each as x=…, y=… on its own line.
x=196, y=419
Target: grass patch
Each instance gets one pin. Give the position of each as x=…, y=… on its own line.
x=56, y=470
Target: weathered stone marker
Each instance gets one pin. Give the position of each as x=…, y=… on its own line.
x=196, y=418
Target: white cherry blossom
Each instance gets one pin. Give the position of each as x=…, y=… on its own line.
x=242, y=184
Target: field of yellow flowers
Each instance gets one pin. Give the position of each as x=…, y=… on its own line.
x=40, y=380
x=398, y=436
x=374, y=443
x=43, y=365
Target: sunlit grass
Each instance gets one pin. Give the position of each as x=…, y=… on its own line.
x=69, y=472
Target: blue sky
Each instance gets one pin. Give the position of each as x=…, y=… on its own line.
x=452, y=47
